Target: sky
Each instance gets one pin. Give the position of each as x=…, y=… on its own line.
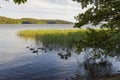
x=41, y=9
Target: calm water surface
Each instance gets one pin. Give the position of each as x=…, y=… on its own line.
x=19, y=63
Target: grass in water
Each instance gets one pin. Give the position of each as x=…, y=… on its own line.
x=62, y=38
x=52, y=37
x=102, y=41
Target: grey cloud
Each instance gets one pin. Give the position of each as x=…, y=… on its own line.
x=42, y=9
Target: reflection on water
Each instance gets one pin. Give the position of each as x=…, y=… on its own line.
x=63, y=53
x=97, y=61
x=33, y=60
x=17, y=62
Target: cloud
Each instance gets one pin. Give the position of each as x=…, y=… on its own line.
x=42, y=9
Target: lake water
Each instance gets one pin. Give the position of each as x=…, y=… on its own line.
x=19, y=63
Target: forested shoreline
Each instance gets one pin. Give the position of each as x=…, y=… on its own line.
x=6, y=20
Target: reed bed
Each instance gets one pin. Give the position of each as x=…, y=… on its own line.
x=66, y=37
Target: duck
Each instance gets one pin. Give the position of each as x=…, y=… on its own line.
x=31, y=49
x=27, y=46
x=62, y=56
x=59, y=53
x=35, y=51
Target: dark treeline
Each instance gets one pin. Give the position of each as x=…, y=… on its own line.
x=5, y=20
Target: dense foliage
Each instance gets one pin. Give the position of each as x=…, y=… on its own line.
x=101, y=11
x=106, y=12
x=19, y=1
x=105, y=41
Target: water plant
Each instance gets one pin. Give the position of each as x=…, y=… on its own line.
x=54, y=37
x=102, y=43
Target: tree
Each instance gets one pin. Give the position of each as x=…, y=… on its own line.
x=102, y=11
x=107, y=11
x=20, y=1
x=103, y=42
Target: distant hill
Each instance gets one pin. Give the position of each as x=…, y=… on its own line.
x=5, y=20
